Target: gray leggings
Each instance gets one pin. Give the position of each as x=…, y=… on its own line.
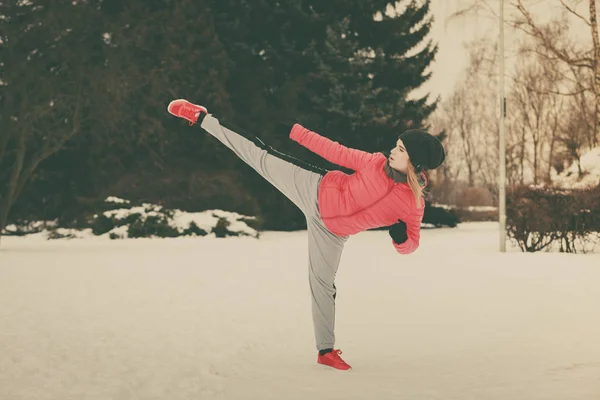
x=300, y=186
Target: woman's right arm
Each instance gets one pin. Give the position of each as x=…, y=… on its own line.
x=330, y=150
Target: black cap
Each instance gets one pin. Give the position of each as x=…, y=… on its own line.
x=424, y=150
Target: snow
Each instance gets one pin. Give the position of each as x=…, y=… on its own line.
x=208, y=219
x=469, y=208
x=180, y=220
x=444, y=206
x=590, y=165
x=123, y=213
x=482, y=208
x=117, y=200
x=209, y=318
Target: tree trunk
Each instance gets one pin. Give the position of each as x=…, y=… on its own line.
x=537, y=144
x=8, y=200
x=551, y=151
x=522, y=158
x=3, y=143
x=596, y=64
x=535, y=162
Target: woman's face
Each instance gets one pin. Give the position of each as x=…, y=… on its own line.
x=399, y=157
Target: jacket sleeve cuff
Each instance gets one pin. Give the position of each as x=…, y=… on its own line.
x=408, y=247
x=296, y=132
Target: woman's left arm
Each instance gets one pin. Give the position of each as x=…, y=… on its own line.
x=406, y=235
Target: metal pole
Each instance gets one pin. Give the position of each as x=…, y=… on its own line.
x=502, y=150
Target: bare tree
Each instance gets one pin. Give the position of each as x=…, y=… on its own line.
x=532, y=100
x=541, y=92
x=573, y=136
x=467, y=116
x=551, y=41
x=567, y=52
x=557, y=105
x=567, y=126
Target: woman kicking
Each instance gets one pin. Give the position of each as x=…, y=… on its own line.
x=382, y=192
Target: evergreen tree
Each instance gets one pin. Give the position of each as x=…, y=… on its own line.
x=388, y=66
x=328, y=65
x=264, y=64
x=47, y=71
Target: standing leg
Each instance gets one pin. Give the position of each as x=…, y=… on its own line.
x=324, y=253
x=299, y=182
x=301, y=186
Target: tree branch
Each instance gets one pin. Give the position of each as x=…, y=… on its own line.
x=48, y=150
x=575, y=13
x=550, y=91
x=12, y=185
x=583, y=62
x=560, y=54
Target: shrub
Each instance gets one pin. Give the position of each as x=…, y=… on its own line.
x=256, y=223
x=538, y=218
x=102, y=224
x=152, y=226
x=439, y=216
x=138, y=221
x=55, y=234
x=220, y=229
x=194, y=230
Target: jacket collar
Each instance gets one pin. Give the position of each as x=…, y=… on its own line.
x=395, y=175
x=399, y=177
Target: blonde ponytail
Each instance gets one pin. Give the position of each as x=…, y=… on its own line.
x=415, y=185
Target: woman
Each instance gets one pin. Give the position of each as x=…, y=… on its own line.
x=383, y=191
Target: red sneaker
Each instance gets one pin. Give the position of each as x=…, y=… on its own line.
x=333, y=359
x=184, y=109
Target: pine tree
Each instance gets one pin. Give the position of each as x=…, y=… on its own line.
x=330, y=64
x=386, y=56
x=48, y=70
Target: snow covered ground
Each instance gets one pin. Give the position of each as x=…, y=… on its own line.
x=209, y=318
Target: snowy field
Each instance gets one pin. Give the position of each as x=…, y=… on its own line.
x=208, y=318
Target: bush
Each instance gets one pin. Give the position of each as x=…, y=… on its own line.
x=439, y=216
x=151, y=226
x=194, y=230
x=140, y=221
x=255, y=223
x=220, y=229
x=538, y=218
x=102, y=224
x=55, y=234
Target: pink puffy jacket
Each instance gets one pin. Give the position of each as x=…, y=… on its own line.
x=367, y=199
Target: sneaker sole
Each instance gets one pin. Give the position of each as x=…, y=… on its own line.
x=329, y=368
